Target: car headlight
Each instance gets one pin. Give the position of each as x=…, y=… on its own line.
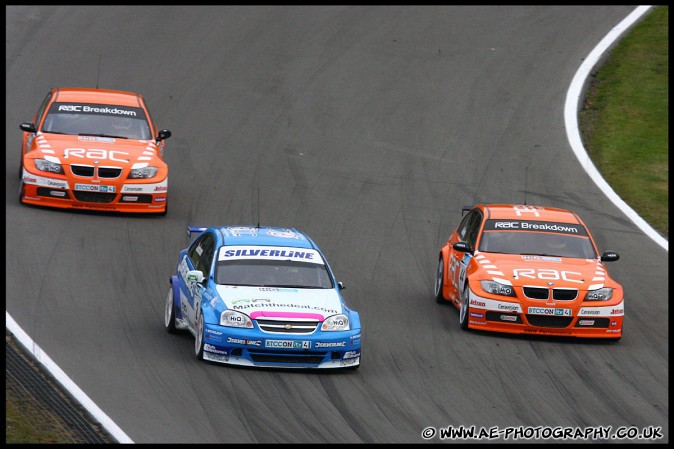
x=339, y=322
x=145, y=172
x=51, y=167
x=232, y=318
x=601, y=294
x=496, y=288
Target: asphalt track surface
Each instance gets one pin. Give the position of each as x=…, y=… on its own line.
x=368, y=128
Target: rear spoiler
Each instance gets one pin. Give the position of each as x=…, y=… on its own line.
x=465, y=209
x=195, y=230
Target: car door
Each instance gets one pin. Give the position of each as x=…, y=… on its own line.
x=199, y=257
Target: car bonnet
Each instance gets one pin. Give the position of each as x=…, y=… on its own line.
x=69, y=149
x=532, y=270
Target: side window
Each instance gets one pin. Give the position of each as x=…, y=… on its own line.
x=196, y=251
x=473, y=228
x=43, y=108
x=463, y=227
x=468, y=223
x=206, y=259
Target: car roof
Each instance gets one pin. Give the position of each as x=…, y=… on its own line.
x=102, y=96
x=526, y=212
x=265, y=236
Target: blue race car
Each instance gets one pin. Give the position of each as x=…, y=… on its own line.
x=261, y=296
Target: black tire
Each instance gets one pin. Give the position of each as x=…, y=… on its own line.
x=170, y=313
x=199, y=338
x=440, y=282
x=464, y=310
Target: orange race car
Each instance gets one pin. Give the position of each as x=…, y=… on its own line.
x=529, y=270
x=94, y=149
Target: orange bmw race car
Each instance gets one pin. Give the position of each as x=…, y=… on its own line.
x=94, y=149
x=529, y=270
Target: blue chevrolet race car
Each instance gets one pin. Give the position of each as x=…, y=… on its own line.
x=261, y=296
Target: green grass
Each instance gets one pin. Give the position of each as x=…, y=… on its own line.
x=624, y=125
x=625, y=120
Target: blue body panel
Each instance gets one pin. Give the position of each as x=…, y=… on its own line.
x=254, y=346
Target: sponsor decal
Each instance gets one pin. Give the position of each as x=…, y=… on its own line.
x=58, y=193
x=129, y=198
x=351, y=354
x=585, y=322
x=548, y=274
x=99, y=109
x=539, y=226
x=284, y=233
x=348, y=362
x=332, y=344
x=161, y=188
x=216, y=357
x=305, y=255
x=584, y=312
x=289, y=306
x=477, y=303
x=96, y=139
x=160, y=199
x=213, y=349
x=549, y=311
x=508, y=318
x=542, y=258
x=508, y=307
x=476, y=315
x=547, y=332
x=243, y=341
x=95, y=188
x=211, y=331
x=287, y=344
x=618, y=311
x=614, y=330
x=95, y=153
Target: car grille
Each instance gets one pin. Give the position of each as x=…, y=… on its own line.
x=287, y=326
x=564, y=294
x=94, y=197
x=109, y=172
x=549, y=321
x=82, y=170
x=88, y=171
x=536, y=292
x=265, y=356
x=559, y=294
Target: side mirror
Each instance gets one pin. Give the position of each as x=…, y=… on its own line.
x=195, y=276
x=163, y=134
x=610, y=256
x=341, y=285
x=28, y=127
x=463, y=247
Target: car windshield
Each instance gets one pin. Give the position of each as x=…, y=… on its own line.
x=272, y=273
x=537, y=243
x=97, y=120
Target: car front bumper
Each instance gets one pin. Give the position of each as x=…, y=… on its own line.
x=255, y=348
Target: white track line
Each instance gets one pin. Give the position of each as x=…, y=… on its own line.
x=573, y=106
x=571, y=109
x=65, y=381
